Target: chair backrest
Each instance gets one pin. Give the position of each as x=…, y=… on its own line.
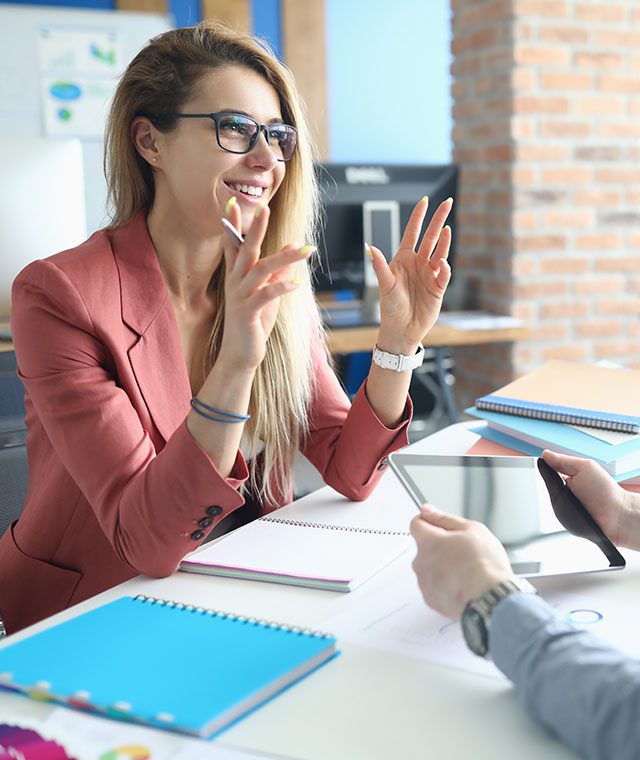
x=14, y=476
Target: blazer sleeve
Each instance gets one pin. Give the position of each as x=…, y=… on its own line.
x=148, y=503
x=348, y=444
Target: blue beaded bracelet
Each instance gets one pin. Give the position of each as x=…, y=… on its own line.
x=217, y=415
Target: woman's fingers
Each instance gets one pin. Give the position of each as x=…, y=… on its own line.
x=269, y=293
x=414, y=225
x=249, y=251
x=435, y=228
x=279, y=266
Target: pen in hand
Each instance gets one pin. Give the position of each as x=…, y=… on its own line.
x=233, y=232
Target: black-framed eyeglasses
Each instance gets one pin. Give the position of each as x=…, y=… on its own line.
x=237, y=133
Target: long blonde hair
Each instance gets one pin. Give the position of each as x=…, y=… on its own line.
x=159, y=80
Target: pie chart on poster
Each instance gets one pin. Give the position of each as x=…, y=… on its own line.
x=127, y=752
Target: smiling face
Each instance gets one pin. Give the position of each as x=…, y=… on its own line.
x=195, y=177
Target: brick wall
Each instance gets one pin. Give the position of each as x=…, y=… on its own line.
x=547, y=135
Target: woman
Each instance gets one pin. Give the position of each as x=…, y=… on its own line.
x=117, y=338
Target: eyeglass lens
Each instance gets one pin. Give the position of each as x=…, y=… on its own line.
x=238, y=134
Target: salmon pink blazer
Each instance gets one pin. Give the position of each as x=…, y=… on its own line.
x=117, y=485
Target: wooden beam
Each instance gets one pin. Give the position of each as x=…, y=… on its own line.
x=143, y=6
x=304, y=49
x=235, y=13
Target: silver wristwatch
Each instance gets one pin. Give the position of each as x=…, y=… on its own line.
x=476, y=617
x=398, y=362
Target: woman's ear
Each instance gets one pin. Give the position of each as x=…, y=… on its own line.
x=146, y=138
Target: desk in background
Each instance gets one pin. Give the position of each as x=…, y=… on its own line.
x=366, y=704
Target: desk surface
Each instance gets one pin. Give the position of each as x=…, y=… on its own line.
x=366, y=703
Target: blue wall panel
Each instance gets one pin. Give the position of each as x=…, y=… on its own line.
x=267, y=23
x=389, y=80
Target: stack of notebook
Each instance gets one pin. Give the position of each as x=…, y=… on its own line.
x=584, y=410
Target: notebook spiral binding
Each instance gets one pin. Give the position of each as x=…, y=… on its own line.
x=567, y=418
x=194, y=608
x=348, y=528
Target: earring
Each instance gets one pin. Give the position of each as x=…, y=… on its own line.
x=155, y=160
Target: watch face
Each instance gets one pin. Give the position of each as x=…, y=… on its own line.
x=475, y=632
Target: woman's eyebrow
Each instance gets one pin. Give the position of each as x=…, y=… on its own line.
x=275, y=120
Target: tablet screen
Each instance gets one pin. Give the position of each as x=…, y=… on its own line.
x=542, y=525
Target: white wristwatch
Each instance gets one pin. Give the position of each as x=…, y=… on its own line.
x=398, y=362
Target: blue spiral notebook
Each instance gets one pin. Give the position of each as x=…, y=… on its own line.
x=163, y=664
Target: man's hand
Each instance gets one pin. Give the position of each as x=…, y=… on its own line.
x=457, y=560
x=615, y=510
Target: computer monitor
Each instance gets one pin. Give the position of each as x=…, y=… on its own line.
x=372, y=204
x=42, y=204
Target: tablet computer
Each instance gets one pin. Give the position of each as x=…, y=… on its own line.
x=542, y=525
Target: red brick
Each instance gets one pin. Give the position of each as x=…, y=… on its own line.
x=618, y=84
x=570, y=219
x=540, y=152
x=541, y=289
x=521, y=267
x=618, y=176
x=596, y=197
x=569, y=35
x=568, y=129
x=601, y=12
x=575, y=352
x=618, y=348
x=619, y=129
x=523, y=79
x=525, y=220
x=523, y=176
x=524, y=311
x=499, y=153
x=585, y=286
x=598, y=242
x=618, y=38
x=541, y=55
x=634, y=107
x=561, y=310
x=618, y=306
x=564, y=266
x=618, y=264
x=544, y=8
x=594, y=106
x=522, y=128
x=599, y=328
x=527, y=243
x=566, y=175
x=530, y=104
x=548, y=332
x=598, y=60
x=565, y=80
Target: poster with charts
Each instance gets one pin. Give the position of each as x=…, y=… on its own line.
x=78, y=74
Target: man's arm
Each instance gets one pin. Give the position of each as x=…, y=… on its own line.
x=581, y=689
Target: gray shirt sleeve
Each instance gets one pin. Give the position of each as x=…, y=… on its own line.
x=579, y=687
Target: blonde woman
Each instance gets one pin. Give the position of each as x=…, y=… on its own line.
x=171, y=377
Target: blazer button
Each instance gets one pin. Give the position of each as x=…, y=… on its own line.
x=384, y=463
x=197, y=535
x=205, y=522
x=214, y=511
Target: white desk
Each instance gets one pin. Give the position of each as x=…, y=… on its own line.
x=365, y=703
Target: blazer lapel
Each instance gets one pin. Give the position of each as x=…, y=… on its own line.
x=157, y=358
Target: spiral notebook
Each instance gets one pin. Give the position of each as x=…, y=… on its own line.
x=321, y=541
x=163, y=664
x=576, y=394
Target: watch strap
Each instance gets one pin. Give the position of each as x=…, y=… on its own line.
x=398, y=362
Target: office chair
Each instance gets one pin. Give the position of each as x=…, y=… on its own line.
x=13, y=483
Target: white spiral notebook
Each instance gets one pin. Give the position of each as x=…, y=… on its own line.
x=321, y=541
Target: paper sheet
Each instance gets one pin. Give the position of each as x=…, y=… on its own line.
x=399, y=621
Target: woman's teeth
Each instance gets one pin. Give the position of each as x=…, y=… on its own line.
x=255, y=192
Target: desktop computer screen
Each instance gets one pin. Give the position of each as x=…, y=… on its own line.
x=372, y=204
x=42, y=203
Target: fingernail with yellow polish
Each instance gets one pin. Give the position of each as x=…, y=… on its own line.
x=306, y=250
x=368, y=250
x=296, y=275
x=425, y=198
x=230, y=204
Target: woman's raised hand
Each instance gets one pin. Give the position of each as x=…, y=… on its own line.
x=413, y=284
x=253, y=288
